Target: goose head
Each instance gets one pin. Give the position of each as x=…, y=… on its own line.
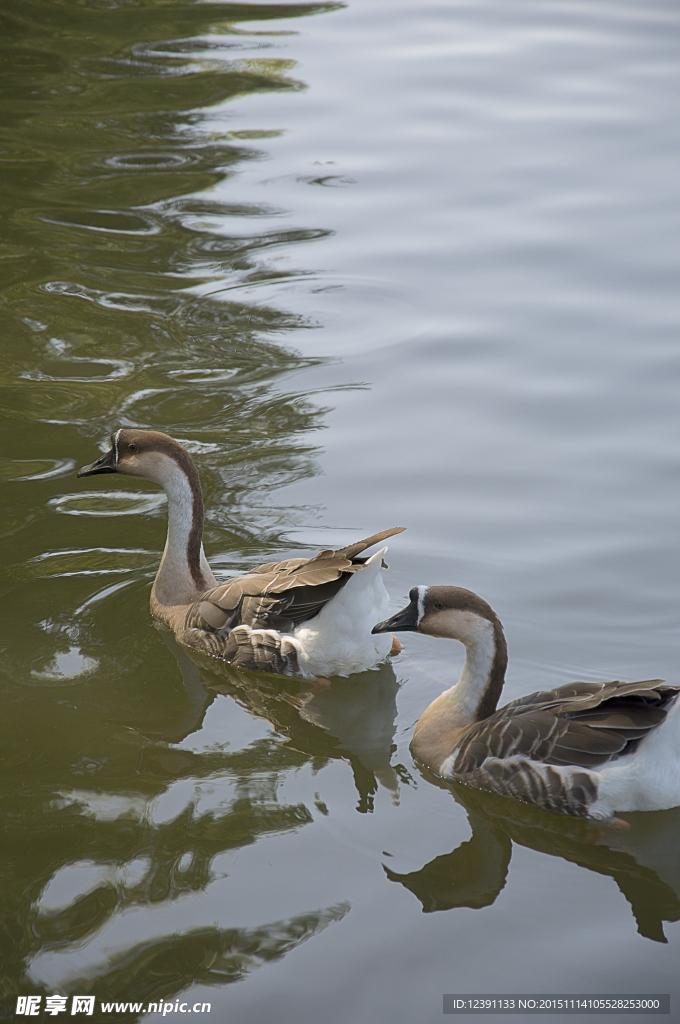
x=443, y=611
x=151, y=455
x=147, y=454
x=461, y=615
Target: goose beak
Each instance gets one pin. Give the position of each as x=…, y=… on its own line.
x=105, y=464
x=406, y=619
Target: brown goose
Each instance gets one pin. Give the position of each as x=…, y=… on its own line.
x=303, y=616
x=585, y=749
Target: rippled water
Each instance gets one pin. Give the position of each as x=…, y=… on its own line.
x=373, y=267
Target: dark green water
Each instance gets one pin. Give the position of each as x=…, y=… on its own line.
x=373, y=268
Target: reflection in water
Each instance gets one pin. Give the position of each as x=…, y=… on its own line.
x=161, y=967
x=352, y=718
x=154, y=849
x=117, y=225
x=643, y=859
x=128, y=918
x=506, y=157
x=120, y=274
x=202, y=805
x=152, y=819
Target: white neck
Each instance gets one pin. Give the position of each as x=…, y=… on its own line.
x=459, y=706
x=175, y=584
x=480, y=651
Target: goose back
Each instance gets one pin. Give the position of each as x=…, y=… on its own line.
x=245, y=620
x=535, y=748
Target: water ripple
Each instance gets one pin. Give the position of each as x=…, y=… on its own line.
x=66, y=666
x=87, y=562
x=60, y=467
x=114, y=367
x=153, y=160
x=107, y=503
x=114, y=222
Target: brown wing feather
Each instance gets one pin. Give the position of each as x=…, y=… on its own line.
x=277, y=595
x=227, y=596
x=259, y=649
x=582, y=725
x=355, y=549
x=536, y=783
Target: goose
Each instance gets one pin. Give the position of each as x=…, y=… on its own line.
x=585, y=749
x=308, y=617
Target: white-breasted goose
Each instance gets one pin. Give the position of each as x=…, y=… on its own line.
x=587, y=749
x=303, y=616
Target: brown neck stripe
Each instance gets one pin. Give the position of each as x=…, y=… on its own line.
x=494, y=687
x=188, y=467
x=167, y=446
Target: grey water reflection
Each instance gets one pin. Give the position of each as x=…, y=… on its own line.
x=199, y=806
x=353, y=719
x=112, y=244
x=641, y=855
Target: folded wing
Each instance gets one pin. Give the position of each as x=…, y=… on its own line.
x=280, y=595
x=582, y=724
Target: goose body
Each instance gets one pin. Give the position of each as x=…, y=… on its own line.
x=587, y=749
x=303, y=616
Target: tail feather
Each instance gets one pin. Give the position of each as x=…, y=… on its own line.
x=360, y=545
x=339, y=638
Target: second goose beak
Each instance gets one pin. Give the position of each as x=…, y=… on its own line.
x=105, y=464
x=406, y=619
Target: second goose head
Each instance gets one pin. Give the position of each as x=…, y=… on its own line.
x=442, y=611
x=460, y=615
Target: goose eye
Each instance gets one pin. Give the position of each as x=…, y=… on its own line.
x=438, y=605
x=133, y=448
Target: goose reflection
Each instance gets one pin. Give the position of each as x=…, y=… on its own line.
x=353, y=719
x=162, y=967
x=642, y=855
x=118, y=920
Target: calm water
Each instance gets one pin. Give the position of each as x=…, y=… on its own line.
x=375, y=267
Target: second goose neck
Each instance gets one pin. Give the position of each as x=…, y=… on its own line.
x=473, y=698
x=481, y=682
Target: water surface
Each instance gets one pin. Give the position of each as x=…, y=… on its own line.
x=410, y=268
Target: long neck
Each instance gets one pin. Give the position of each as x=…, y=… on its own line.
x=481, y=683
x=472, y=699
x=184, y=572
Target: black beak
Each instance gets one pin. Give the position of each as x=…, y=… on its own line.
x=106, y=464
x=406, y=619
